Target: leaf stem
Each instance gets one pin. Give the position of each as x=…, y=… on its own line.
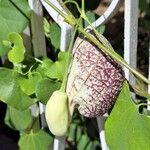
x=83, y=7
x=64, y=6
x=74, y=34
x=75, y=3
x=64, y=82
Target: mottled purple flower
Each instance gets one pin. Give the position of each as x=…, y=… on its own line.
x=94, y=81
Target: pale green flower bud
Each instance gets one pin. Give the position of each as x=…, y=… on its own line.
x=57, y=113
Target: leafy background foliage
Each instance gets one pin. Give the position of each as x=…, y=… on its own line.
x=23, y=84
x=23, y=87
x=33, y=141
x=9, y=16
x=16, y=97
x=28, y=84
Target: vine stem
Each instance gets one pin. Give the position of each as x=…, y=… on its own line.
x=72, y=21
x=64, y=6
x=83, y=8
x=75, y=3
x=64, y=83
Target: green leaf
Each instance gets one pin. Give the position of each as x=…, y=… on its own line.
x=43, y=68
x=57, y=69
x=7, y=43
x=84, y=140
x=101, y=29
x=96, y=145
x=89, y=146
x=35, y=141
x=126, y=128
x=11, y=20
x=91, y=16
x=144, y=6
x=10, y=91
x=79, y=133
x=146, y=23
x=45, y=88
x=17, y=119
x=46, y=27
x=28, y=85
x=16, y=54
x=54, y=35
x=72, y=131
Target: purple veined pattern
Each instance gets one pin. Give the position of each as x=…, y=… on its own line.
x=94, y=81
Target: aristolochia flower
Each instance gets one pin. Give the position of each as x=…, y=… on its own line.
x=94, y=81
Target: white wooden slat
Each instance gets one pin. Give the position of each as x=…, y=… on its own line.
x=38, y=37
x=101, y=121
x=130, y=35
x=59, y=143
x=38, y=40
x=66, y=29
x=66, y=33
x=55, y=15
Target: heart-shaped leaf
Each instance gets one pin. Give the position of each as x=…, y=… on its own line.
x=35, y=141
x=126, y=128
x=11, y=19
x=28, y=85
x=54, y=35
x=16, y=54
x=83, y=142
x=45, y=89
x=17, y=119
x=57, y=69
x=10, y=91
